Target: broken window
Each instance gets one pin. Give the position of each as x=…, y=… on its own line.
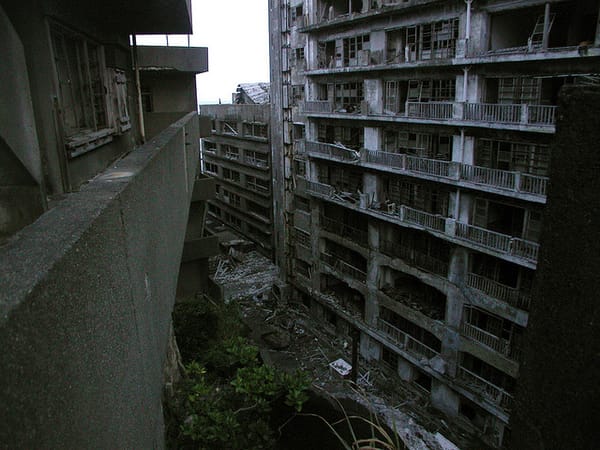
x=297, y=93
x=231, y=175
x=229, y=127
x=257, y=184
x=300, y=167
x=256, y=129
x=87, y=120
x=436, y=40
x=507, y=219
x=255, y=158
x=352, y=47
x=211, y=168
x=231, y=198
x=300, y=55
x=431, y=90
x=348, y=96
x=229, y=151
x=424, y=197
x=423, y=145
x=513, y=156
x=210, y=147
x=351, y=137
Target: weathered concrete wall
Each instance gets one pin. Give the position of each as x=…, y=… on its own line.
x=85, y=304
x=558, y=390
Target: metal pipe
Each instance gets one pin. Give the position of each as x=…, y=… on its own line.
x=546, y=26
x=468, y=21
x=138, y=89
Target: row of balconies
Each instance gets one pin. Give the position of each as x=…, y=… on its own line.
x=469, y=114
x=241, y=159
x=420, y=351
x=513, y=296
x=521, y=250
x=450, y=171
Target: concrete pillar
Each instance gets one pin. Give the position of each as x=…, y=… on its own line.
x=315, y=243
x=377, y=41
x=373, y=90
x=371, y=187
x=370, y=349
x=406, y=371
x=373, y=273
x=372, y=138
x=311, y=53
x=459, y=266
x=444, y=398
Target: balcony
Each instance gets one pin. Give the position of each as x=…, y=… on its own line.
x=331, y=151
x=405, y=341
x=539, y=118
x=430, y=110
x=335, y=263
x=256, y=162
x=496, y=290
x=481, y=238
x=497, y=241
x=492, y=341
x=522, y=114
x=489, y=391
x=360, y=237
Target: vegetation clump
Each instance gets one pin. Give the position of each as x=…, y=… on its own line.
x=228, y=396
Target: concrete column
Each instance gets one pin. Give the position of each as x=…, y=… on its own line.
x=372, y=138
x=406, y=371
x=371, y=300
x=373, y=90
x=315, y=243
x=459, y=266
x=468, y=151
x=377, y=41
x=371, y=187
x=311, y=53
x=444, y=398
x=370, y=349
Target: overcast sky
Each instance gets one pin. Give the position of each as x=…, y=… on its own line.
x=236, y=33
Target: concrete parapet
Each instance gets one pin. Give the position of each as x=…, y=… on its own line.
x=85, y=304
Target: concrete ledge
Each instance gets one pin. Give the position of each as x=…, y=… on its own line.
x=180, y=59
x=204, y=188
x=200, y=248
x=85, y=301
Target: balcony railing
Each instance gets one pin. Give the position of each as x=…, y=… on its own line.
x=394, y=160
x=332, y=151
x=319, y=189
x=405, y=340
x=499, y=291
x=337, y=264
x=498, y=241
x=427, y=220
x=344, y=230
x=421, y=260
x=435, y=167
x=490, y=391
x=430, y=110
x=318, y=106
x=542, y=114
x=533, y=184
x=490, y=340
x=490, y=177
x=493, y=112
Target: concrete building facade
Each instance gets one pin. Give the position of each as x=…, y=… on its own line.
x=92, y=221
x=415, y=146
x=238, y=156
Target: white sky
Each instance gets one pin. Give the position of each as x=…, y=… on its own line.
x=236, y=33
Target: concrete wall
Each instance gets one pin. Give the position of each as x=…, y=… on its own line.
x=557, y=398
x=85, y=301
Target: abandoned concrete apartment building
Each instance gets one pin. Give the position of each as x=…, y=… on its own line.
x=98, y=231
x=238, y=155
x=412, y=140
